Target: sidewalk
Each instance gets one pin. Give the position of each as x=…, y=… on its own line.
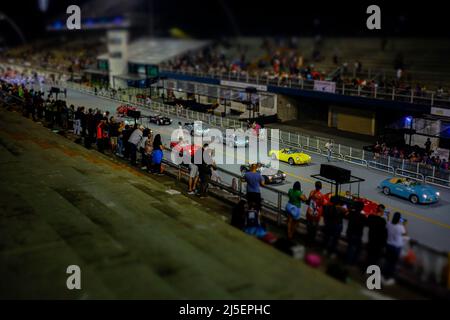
x=64, y=205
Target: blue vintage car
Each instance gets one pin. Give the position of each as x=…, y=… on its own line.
x=412, y=190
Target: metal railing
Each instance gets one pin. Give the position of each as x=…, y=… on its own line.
x=384, y=93
x=409, y=174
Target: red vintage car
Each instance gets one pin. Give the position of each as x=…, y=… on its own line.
x=123, y=109
x=370, y=207
x=183, y=147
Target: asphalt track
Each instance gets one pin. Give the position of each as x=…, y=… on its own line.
x=428, y=224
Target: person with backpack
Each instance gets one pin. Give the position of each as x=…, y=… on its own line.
x=314, y=212
x=293, y=206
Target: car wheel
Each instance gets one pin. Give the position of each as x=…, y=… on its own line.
x=291, y=161
x=386, y=191
x=414, y=199
x=274, y=156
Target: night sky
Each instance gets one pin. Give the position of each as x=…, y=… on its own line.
x=216, y=18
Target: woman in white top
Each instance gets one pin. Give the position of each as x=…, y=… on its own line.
x=395, y=232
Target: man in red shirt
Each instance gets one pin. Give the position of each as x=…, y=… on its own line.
x=314, y=211
x=102, y=136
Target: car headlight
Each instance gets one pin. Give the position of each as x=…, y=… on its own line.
x=424, y=196
x=438, y=194
x=298, y=158
x=284, y=175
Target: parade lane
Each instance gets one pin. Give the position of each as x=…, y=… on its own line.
x=429, y=224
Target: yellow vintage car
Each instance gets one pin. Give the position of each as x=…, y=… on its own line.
x=290, y=155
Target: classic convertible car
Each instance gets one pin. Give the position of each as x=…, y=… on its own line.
x=290, y=155
x=270, y=175
x=123, y=110
x=414, y=191
x=160, y=120
x=370, y=207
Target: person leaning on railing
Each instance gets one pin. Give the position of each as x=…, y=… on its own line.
x=254, y=181
x=314, y=212
x=396, y=230
x=293, y=207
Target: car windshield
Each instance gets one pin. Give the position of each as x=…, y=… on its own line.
x=291, y=151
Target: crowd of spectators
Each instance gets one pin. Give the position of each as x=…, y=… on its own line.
x=110, y=134
x=387, y=236
x=281, y=60
x=91, y=127
x=414, y=154
x=57, y=54
x=276, y=64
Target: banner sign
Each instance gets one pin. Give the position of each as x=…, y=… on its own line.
x=325, y=86
x=440, y=112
